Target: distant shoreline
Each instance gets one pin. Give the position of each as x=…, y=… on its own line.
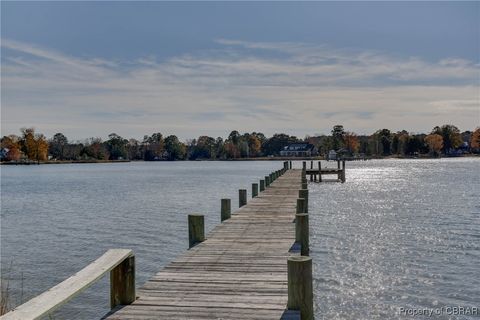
x=14, y=163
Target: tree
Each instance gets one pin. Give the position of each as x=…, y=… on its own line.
x=399, y=142
x=134, y=150
x=116, y=146
x=219, y=148
x=434, y=142
x=414, y=144
x=35, y=146
x=73, y=151
x=452, y=138
x=12, y=144
x=28, y=144
x=153, y=146
x=231, y=150
x=41, y=145
x=475, y=139
x=174, y=148
x=351, y=142
x=385, y=139
x=204, y=148
x=275, y=144
x=337, y=136
x=234, y=137
x=58, y=146
x=254, y=145
x=95, y=148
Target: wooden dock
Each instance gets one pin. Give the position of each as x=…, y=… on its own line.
x=253, y=265
x=316, y=174
x=238, y=272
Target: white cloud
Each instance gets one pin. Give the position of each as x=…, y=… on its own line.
x=270, y=87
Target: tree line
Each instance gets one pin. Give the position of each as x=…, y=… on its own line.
x=29, y=145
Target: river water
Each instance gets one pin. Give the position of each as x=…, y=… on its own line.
x=398, y=235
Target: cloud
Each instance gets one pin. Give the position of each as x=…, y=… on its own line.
x=249, y=86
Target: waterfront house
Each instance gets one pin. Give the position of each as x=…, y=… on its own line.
x=299, y=150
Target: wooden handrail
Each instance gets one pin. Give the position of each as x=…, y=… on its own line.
x=120, y=263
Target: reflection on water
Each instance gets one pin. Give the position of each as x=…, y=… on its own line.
x=399, y=233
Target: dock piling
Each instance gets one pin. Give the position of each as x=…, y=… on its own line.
x=300, y=289
x=196, y=229
x=302, y=233
x=122, y=283
x=300, y=205
x=319, y=171
x=225, y=210
x=267, y=181
x=254, y=190
x=303, y=194
x=242, y=197
x=262, y=185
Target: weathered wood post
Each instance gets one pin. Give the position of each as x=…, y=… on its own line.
x=339, y=172
x=304, y=165
x=311, y=164
x=122, y=283
x=254, y=190
x=262, y=185
x=302, y=233
x=319, y=171
x=290, y=164
x=300, y=288
x=300, y=205
x=196, y=229
x=225, y=211
x=303, y=194
x=343, y=171
x=242, y=197
x=304, y=185
x=267, y=181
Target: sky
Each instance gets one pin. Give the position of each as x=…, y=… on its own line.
x=88, y=69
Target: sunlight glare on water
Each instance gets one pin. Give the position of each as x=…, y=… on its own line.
x=400, y=233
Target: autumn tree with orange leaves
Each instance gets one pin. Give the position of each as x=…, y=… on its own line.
x=434, y=142
x=475, y=139
x=34, y=146
x=351, y=142
x=12, y=144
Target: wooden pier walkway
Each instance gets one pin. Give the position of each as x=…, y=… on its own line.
x=254, y=265
x=238, y=272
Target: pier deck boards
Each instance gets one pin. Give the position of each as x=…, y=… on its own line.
x=238, y=272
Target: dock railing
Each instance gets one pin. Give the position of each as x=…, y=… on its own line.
x=119, y=262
